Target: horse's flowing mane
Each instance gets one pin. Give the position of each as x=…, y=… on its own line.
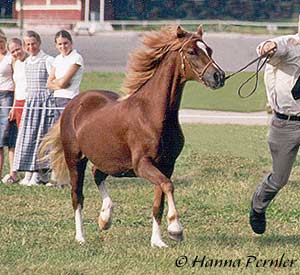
x=144, y=60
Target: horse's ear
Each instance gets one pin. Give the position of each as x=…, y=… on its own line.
x=200, y=30
x=180, y=32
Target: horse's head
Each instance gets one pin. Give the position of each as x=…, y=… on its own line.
x=196, y=60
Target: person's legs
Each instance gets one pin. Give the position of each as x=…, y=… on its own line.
x=12, y=139
x=6, y=98
x=284, y=145
x=44, y=176
x=27, y=178
x=60, y=102
x=11, y=154
x=19, y=110
x=1, y=160
x=284, y=138
x=35, y=178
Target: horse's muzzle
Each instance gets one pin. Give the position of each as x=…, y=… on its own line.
x=219, y=78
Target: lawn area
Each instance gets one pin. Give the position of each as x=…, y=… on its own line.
x=195, y=95
x=214, y=179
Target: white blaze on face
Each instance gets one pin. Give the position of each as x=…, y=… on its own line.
x=201, y=46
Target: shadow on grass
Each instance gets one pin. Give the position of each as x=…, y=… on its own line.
x=279, y=240
x=228, y=240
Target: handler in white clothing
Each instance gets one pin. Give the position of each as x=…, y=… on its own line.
x=282, y=81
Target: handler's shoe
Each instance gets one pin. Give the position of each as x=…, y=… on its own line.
x=257, y=221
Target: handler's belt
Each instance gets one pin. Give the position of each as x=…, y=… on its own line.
x=287, y=117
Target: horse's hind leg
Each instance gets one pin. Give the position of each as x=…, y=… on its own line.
x=76, y=169
x=105, y=217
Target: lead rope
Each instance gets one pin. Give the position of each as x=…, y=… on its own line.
x=259, y=66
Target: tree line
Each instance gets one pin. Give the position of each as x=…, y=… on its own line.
x=252, y=10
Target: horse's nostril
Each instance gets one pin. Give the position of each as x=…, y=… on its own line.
x=216, y=76
x=222, y=78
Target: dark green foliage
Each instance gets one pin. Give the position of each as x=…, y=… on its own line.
x=252, y=10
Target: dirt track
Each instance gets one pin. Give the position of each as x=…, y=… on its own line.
x=216, y=117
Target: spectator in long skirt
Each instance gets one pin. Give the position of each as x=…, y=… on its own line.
x=37, y=117
x=8, y=130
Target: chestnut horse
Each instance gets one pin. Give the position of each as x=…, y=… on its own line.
x=138, y=135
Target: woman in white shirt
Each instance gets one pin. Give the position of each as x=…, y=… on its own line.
x=8, y=130
x=66, y=73
x=15, y=48
x=19, y=55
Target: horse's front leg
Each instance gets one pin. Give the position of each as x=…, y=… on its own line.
x=158, y=209
x=105, y=217
x=145, y=169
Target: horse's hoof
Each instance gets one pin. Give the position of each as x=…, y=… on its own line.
x=81, y=241
x=105, y=219
x=103, y=225
x=176, y=236
x=159, y=244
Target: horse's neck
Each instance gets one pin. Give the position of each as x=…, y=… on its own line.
x=164, y=90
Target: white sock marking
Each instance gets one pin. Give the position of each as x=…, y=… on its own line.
x=156, y=240
x=78, y=225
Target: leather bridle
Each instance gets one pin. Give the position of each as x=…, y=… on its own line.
x=184, y=60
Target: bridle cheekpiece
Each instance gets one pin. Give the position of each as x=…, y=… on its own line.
x=199, y=74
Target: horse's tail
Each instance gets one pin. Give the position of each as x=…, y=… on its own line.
x=51, y=148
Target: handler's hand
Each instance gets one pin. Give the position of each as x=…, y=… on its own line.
x=269, y=46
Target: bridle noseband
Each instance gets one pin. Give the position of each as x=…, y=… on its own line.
x=198, y=73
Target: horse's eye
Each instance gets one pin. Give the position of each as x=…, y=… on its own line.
x=191, y=51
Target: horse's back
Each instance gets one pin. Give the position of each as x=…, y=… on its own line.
x=94, y=99
x=84, y=104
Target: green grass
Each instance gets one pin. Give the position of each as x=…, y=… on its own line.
x=214, y=179
x=195, y=95
x=102, y=81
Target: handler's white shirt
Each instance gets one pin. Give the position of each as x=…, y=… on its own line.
x=281, y=74
x=62, y=65
x=20, y=80
x=6, y=81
